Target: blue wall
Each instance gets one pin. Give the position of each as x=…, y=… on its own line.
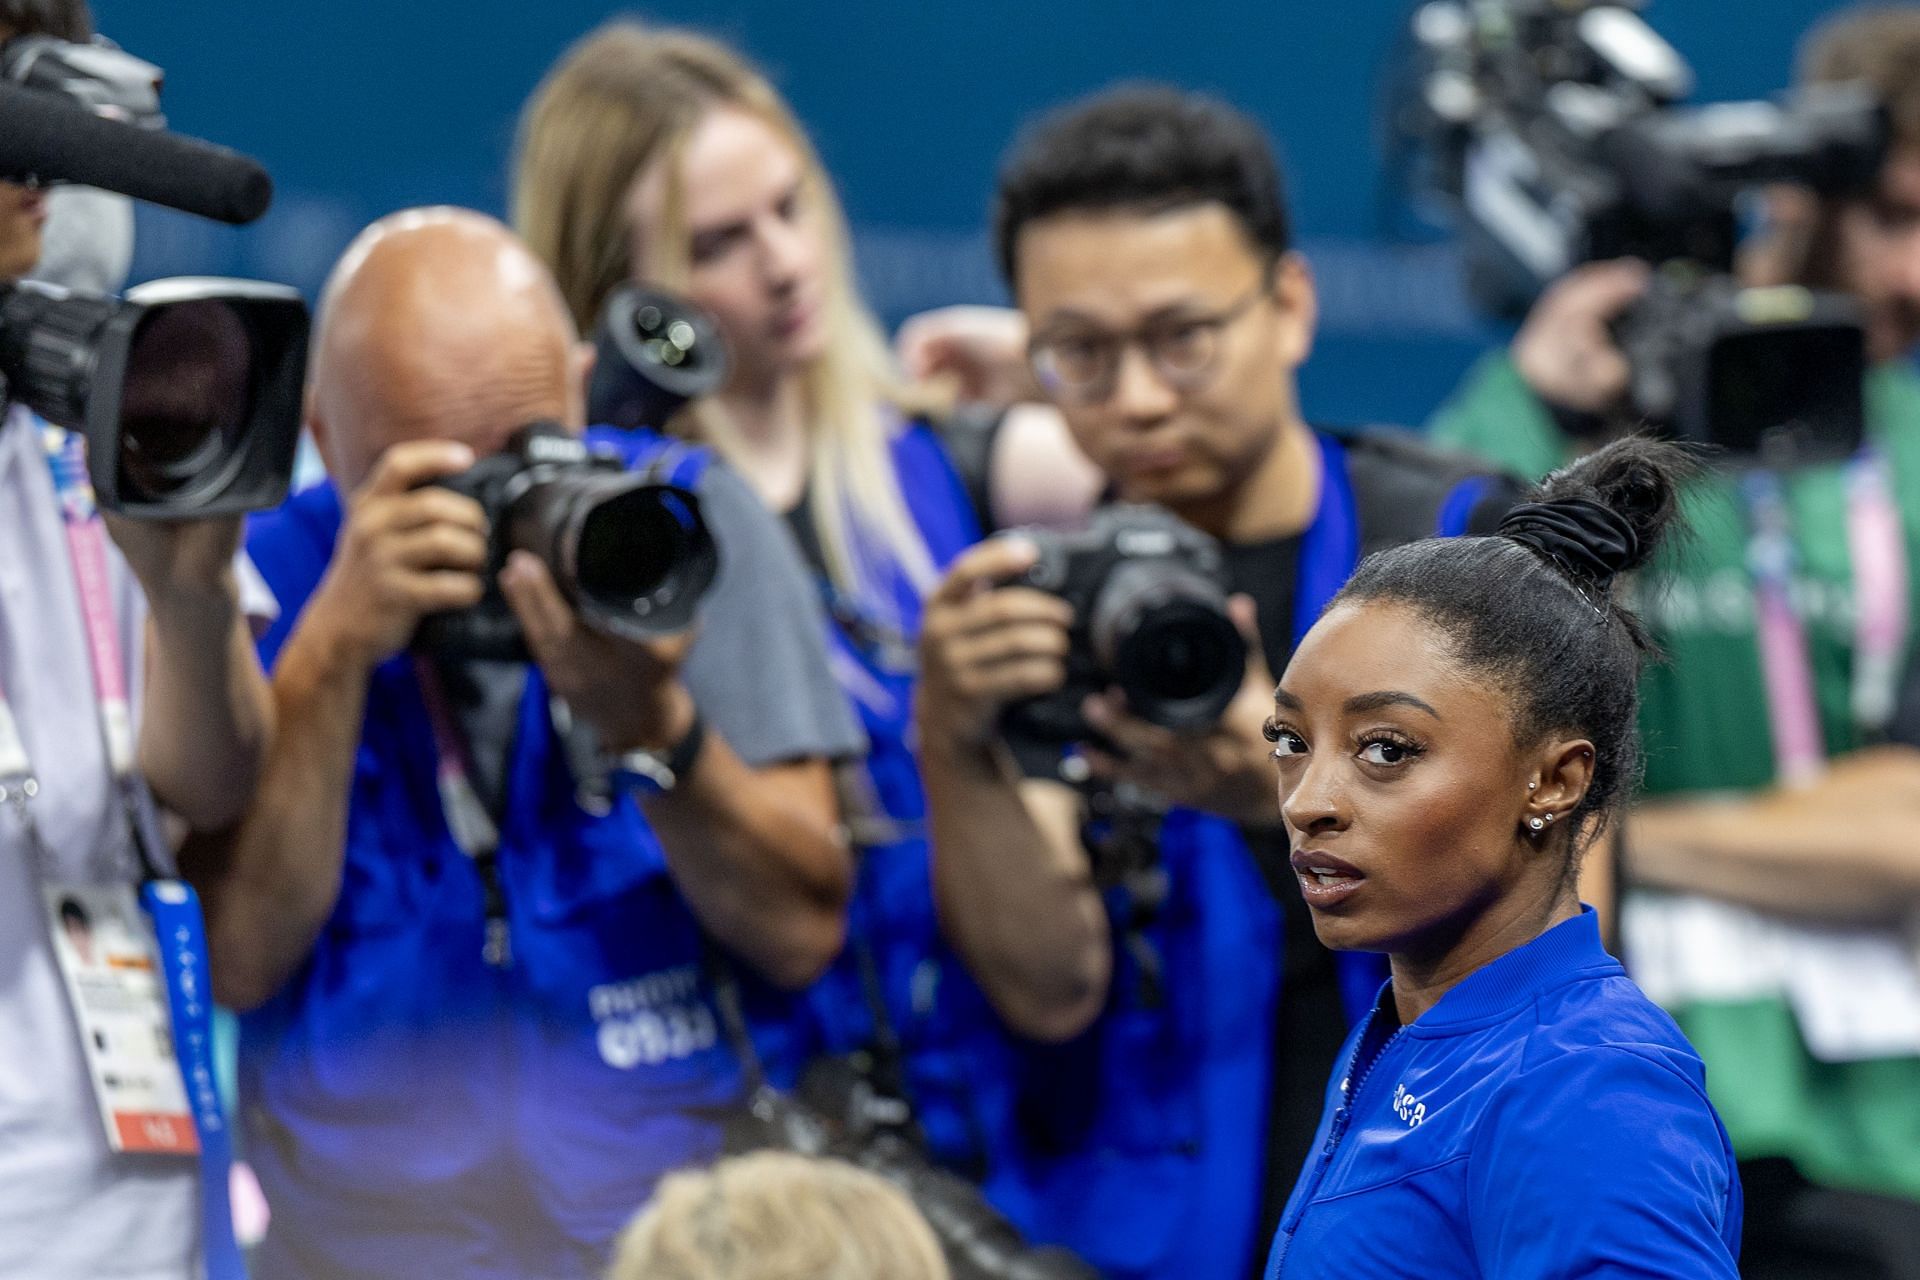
x=358, y=108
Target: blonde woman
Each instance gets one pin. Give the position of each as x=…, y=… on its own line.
x=776, y=1216
x=660, y=156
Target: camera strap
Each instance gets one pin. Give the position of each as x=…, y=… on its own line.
x=1881, y=612
x=473, y=829
x=146, y=1106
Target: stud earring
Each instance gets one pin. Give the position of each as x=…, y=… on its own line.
x=1533, y=786
x=1550, y=818
x=1537, y=824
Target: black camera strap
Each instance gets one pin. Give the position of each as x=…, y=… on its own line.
x=468, y=822
x=1122, y=835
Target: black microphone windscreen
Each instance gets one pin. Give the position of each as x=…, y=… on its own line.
x=49, y=139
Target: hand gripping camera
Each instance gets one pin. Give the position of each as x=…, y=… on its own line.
x=631, y=554
x=1149, y=599
x=1551, y=130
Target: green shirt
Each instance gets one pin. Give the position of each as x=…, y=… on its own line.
x=1704, y=721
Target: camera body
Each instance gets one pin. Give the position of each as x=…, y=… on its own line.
x=1149, y=597
x=1553, y=131
x=631, y=555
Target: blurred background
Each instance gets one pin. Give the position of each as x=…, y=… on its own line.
x=360, y=108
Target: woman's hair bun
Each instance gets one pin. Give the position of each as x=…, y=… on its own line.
x=1606, y=513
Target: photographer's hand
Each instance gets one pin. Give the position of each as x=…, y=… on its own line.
x=983, y=645
x=207, y=714
x=627, y=690
x=1227, y=769
x=981, y=351
x=408, y=548
x=1565, y=351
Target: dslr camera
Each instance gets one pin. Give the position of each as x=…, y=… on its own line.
x=1149, y=597
x=630, y=553
x=187, y=391
x=1555, y=133
x=840, y=1112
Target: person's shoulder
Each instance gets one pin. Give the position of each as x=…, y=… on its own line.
x=1407, y=487
x=1604, y=1038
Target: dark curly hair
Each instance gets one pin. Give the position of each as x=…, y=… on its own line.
x=1543, y=625
x=1141, y=147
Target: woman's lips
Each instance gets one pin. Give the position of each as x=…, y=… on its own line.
x=1325, y=879
x=1157, y=460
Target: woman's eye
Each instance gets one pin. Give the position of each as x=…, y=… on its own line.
x=1287, y=743
x=1384, y=751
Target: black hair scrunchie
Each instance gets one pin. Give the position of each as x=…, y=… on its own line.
x=1589, y=541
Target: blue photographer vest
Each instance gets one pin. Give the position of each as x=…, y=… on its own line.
x=1140, y=1143
x=952, y=1047
x=413, y=1110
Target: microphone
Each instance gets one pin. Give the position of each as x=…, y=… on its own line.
x=45, y=138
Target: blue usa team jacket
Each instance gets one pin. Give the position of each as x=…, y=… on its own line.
x=1543, y=1119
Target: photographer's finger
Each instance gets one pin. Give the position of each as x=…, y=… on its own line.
x=991, y=563
x=435, y=505
x=416, y=462
x=1014, y=679
x=1605, y=289
x=1000, y=643
x=543, y=612
x=1011, y=607
x=1134, y=736
x=439, y=546
x=439, y=590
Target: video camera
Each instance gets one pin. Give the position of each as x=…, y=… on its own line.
x=1149, y=597
x=631, y=554
x=1551, y=128
x=187, y=391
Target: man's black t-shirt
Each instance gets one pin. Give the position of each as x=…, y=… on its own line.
x=1399, y=486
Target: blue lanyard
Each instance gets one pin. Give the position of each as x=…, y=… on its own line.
x=175, y=910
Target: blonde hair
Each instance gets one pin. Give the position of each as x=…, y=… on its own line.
x=772, y=1215
x=623, y=100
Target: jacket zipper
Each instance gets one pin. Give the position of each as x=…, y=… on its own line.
x=1338, y=1130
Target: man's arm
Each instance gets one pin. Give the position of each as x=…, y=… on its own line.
x=270, y=884
x=206, y=715
x=1013, y=884
x=1844, y=848
x=752, y=833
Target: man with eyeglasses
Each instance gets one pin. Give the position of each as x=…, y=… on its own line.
x=1176, y=1042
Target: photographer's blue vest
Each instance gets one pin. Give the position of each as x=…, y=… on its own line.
x=412, y=1110
x=1140, y=1143
x=952, y=1049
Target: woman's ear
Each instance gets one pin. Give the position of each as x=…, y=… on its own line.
x=1563, y=774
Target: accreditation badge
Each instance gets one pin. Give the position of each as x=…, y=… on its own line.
x=109, y=960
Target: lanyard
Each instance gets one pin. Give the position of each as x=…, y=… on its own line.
x=1881, y=617
x=170, y=904
x=468, y=822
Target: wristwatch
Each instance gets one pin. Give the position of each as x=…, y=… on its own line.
x=654, y=773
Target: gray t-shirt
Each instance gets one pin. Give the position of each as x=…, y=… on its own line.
x=758, y=669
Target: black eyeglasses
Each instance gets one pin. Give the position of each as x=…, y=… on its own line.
x=1084, y=366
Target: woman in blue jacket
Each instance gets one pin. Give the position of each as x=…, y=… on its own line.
x=1451, y=736
x=660, y=156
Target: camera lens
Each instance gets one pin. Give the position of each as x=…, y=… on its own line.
x=1180, y=664
x=630, y=545
x=185, y=397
